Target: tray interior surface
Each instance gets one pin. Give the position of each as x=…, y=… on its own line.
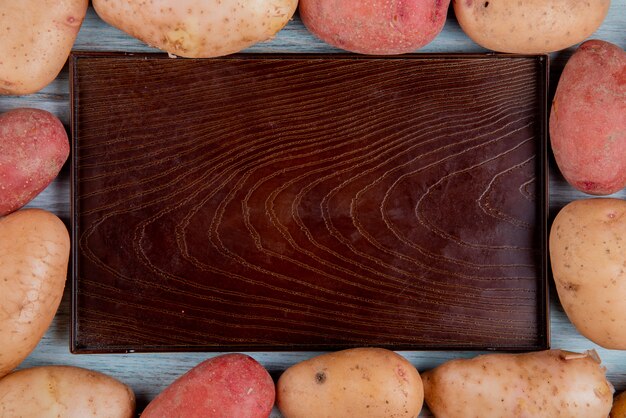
x=308, y=203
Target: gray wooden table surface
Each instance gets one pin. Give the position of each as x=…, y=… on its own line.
x=148, y=374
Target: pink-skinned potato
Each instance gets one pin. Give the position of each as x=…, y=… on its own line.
x=375, y=27
x=226, y=386
x=33, y=148
x=588, y=119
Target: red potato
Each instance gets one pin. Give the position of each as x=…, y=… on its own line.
x=227, y=386
x=375, y=26
x=546, y=384
x=588, y=119
x=33, y=148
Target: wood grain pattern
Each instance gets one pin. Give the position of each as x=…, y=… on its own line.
x=149, y=374
x=291, y=203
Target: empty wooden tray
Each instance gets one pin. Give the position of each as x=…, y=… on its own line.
x=308, y=202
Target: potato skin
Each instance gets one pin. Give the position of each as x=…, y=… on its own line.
x=588, y=256
x=547, y=384
x=619, y=406
x=226, y=386
x=34, y=253
x=529, y=26
x=64, y=391
x=377, y=27
x=198, y=28
x=359, y=382
x=37, y=36
x=33, y=148
x=588, y=119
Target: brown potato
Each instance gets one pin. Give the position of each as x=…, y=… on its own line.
x=37, y=37
x=34, y=252
x=198, y=28
x=588, y=256
x=64, y=391
x=545, y=384
x=360, y=382
x=619, y=406
x=529, y=26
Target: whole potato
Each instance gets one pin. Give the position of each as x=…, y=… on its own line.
x=588, y=256
x=226, y=386
x=529, y=26
x=375, y=26
x=66, y=392
x=619, y=406
x=34, y=252
x=588, y=119
x=37, y=36
x=198, y=28
x=359, y=382
x=33, y=148
x=545, y=384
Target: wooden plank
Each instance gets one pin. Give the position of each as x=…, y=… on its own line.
x=148, y=374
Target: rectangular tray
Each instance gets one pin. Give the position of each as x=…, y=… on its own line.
x=308, y=202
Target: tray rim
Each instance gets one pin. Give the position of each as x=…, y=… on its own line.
x=543, y=302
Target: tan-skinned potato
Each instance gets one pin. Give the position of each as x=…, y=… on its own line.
x=36, y=39
x=529, y=26
x=619, y=406
x=34, y=254
x=64, y=392
x=546, y=384
x=198, y=28
x=358, y=382
x=588, y=257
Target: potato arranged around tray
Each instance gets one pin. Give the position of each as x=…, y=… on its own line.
x=587, y=239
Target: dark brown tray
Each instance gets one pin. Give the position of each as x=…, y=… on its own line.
x=308, y=202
